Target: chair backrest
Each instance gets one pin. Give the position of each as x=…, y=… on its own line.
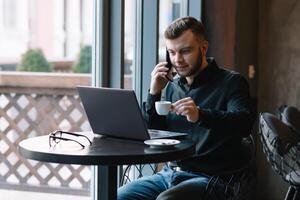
x=280, y=145
x=278, y=136
x=239, y=182
x=291, y=116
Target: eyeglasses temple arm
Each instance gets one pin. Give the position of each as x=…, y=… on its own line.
x=67, y=139
x=77, y=135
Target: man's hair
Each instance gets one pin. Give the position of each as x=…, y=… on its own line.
x=180, y=25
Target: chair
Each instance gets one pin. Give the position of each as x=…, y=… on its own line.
x=281, y=145
x=240, y=181
x=291, y=116
x=131, y=172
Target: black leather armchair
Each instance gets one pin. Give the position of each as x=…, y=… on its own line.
x=291, y=116
x=281, y=145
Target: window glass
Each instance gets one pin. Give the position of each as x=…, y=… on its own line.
x=129, y=37
x=45, y=52
x=9, y=14
x=169, y=10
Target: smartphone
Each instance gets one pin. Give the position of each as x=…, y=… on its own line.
x=169, y=65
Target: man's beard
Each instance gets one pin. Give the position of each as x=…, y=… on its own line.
x=195, y=68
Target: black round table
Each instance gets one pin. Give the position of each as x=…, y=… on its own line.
x=105, y=153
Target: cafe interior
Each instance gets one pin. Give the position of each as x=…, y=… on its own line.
x=257, y=38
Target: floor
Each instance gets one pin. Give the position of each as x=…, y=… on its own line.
x=14, y=195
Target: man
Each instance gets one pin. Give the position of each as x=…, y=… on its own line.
x=209, y=103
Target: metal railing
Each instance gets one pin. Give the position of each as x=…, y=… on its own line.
x=33, y=104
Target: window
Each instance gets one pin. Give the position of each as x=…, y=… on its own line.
x=9, y=11
x=45, y=52
x=129, y=44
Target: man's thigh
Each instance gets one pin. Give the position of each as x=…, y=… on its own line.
x=145, y=188
x=194, y=188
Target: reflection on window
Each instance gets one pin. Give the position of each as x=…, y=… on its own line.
x=60, y=29
x=169, y=10
x=129, y=35
x=9, y=14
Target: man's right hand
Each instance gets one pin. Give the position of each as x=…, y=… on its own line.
x=158, y=78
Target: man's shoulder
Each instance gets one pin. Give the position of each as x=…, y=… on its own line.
x=231, y=75
x=229, y=72
x=233, y=80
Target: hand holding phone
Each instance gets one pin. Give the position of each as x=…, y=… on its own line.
x=159, y=77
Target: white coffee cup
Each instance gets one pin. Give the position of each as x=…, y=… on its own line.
x=163, y=107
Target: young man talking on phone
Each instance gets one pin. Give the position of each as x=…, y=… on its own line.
x=209, y=103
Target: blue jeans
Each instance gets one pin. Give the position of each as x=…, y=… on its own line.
x=170, y=185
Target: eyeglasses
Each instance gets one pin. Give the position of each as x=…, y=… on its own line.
x=56, y=136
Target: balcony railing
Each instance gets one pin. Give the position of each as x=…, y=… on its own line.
x=33, y=104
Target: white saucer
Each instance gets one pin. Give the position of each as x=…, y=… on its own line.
x=161, y=143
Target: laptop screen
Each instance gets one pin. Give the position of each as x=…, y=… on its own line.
x=113, y=112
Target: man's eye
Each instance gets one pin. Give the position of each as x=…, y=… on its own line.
x=185, y=51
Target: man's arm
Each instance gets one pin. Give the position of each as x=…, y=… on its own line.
x=238, y=118
x=158, y=83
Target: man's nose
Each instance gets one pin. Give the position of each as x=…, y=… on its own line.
x=178, y=58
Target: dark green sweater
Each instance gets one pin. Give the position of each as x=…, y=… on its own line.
x=223, y=97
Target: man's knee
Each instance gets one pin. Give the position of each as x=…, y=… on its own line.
x=166, y=195
x=190, y=189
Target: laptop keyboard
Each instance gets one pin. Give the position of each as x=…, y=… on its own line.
x=158, y=133
x=155, y=134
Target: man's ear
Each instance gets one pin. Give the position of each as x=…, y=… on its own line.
x=204, y=47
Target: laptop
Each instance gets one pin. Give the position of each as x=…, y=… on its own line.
x=116, y=113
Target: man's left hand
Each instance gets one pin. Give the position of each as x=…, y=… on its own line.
x=186, y=107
